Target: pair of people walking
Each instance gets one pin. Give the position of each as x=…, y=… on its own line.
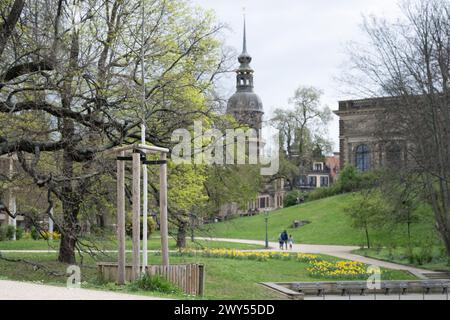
x=284, y=240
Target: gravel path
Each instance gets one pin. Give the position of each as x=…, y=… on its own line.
x=15, y=290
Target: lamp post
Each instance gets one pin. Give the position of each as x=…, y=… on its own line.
x=266, y=218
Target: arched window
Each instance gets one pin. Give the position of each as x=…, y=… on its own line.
x=393, y=155
x=363, y=158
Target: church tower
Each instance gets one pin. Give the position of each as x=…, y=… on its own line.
x=245, y=105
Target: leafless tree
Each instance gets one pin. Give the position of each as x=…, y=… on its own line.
x=408, y=62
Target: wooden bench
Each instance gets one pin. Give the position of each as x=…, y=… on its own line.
x=387, y=286
x=347, y=287
x=311, y=286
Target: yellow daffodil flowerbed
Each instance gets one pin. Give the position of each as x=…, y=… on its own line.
x=318, y=266
x=339, y=269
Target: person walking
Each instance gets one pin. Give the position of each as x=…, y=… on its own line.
x=291, y=241
x=285, y=238
x=281, y=241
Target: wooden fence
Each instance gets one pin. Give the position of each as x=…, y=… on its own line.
x=188, y=277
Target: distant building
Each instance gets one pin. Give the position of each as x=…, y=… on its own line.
x=360, y=142
x=247, y=108
x=322, y=174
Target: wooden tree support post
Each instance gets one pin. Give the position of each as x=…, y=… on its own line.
x=136, y=214
x=12, y=200
x=122, y=155
x=121, y=219
x=50, y=224
x=163, y=210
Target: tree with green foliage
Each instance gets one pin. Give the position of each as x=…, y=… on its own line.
x=349, y=178
x=367, y=211
x=302, y=132
x=74, y=68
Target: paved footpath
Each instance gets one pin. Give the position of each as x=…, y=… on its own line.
x=15, y=290
x=343, y=252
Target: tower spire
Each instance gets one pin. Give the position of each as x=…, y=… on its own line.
x=244, y=47
x=245, y=58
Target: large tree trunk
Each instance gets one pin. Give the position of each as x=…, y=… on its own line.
x=447, y=246
x=67, y=249
x=70, y=203
x=69, y=199
x=181, y=235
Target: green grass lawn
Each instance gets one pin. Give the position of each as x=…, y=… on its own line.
x=436, y=257
x=329, y=225
x=153, y=244
x=225, y=278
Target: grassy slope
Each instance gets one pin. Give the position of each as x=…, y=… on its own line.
x=329, y=225
x=225, y=278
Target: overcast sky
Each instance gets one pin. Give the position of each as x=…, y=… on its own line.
x=297, y=42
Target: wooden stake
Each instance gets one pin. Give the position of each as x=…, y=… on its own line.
x=50, y=224
x=163, y=211
x=121, y=219
x=12, y=199
x=136, y=214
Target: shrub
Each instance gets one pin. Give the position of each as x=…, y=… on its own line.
x=424, y=256
x=3, y=233
x=291, y=198
x=10, y=231
x=7, y=232
x=151, y=225
x=35, y=235
x=26, y=235
x=325, y=192
x=19, y=233
x=154, y=283
x=46, y=235
x=349, y=179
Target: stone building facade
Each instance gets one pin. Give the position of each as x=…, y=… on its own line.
x=365, y=142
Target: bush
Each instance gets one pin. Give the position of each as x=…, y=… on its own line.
x=325, y=192
x=26, y=235
x=10, y=231
x=424, y=256
x=3, y=233
x=19, y=233
x=35, y=235
x=46, y=235
x=151, y=225
x=7, y=232
x=291, y=198
x=154, y=284
x=349, y=179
